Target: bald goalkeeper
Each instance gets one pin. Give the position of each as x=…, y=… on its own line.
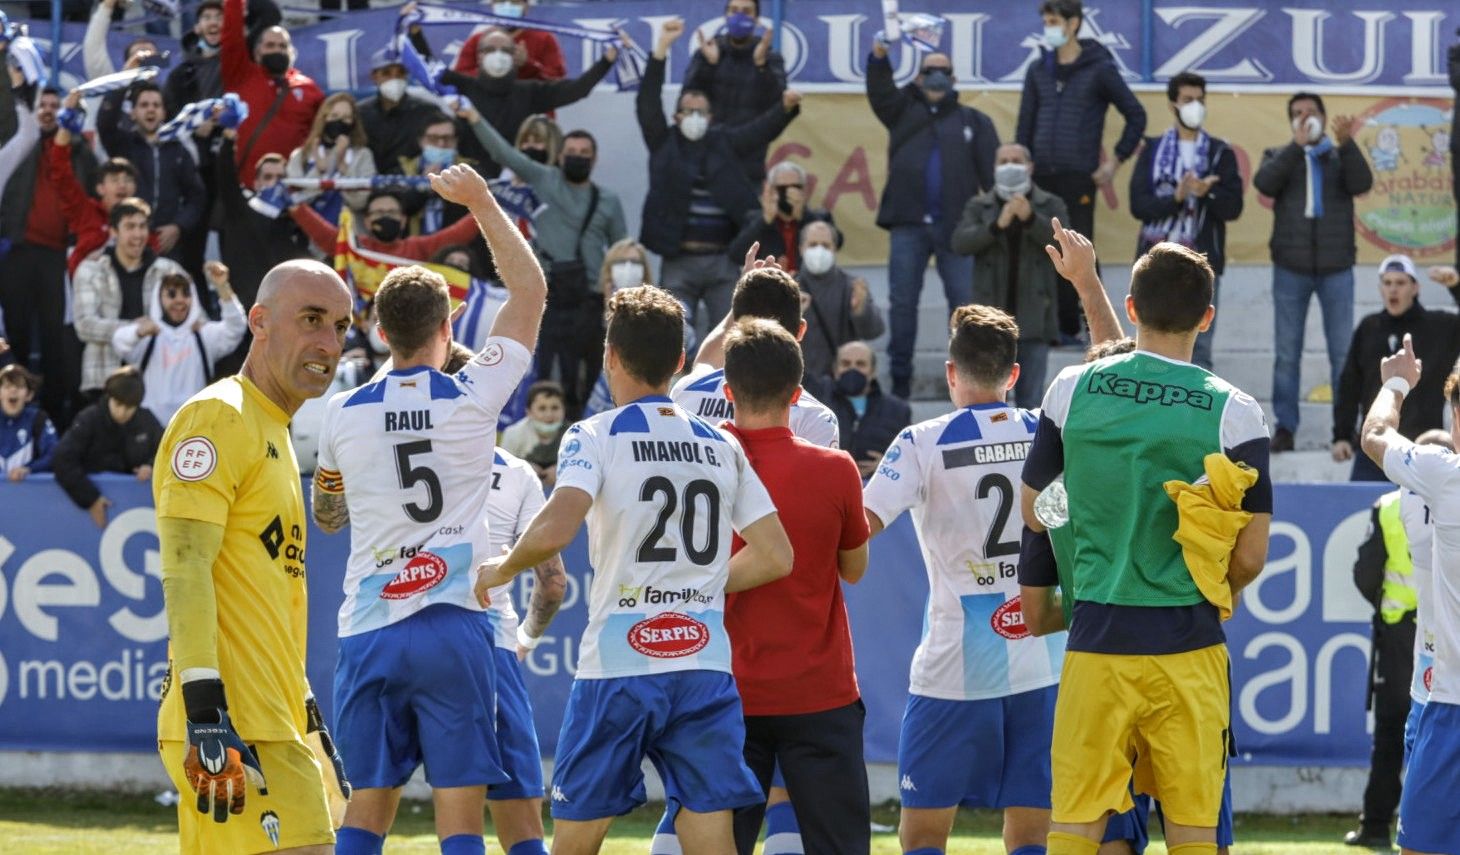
x=238, y=727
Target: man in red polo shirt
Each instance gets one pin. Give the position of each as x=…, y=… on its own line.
x=792, y=647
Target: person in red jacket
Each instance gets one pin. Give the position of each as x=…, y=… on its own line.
x=384, y=224
x=282, y=100
x=539, y=56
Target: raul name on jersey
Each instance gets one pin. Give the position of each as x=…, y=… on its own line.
x=409, y=420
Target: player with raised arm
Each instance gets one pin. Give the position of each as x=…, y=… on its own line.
x=982, y=690
x=1145, y=676
x=231, y=526
x=403, y=459
x=663, y=493
x=1428, y=821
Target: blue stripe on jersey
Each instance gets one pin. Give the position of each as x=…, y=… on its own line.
x=443, y=388
x=985, y=654
x=961, y=428
x=1055, y=644
x=497, y=458
x=702, y=429
x=630, y=420
x=709, y=383
x=1031, y=421
x=370, y=393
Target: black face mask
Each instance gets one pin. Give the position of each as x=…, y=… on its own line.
x=937, y=80
x=335, y=129
x=852, y=383
x=386, y=229
x=275, y=63
x=537, y=154
x=577, y=168
x=783, y=201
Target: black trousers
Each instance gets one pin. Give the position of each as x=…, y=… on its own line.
x=1077, y=189
x=33, y=298
x=571, y=342
x=821, y=759
x=1393, y=666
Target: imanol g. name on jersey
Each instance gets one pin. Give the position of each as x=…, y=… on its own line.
x=673, y=451
x=1146, y=392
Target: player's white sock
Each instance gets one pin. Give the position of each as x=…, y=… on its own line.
x=666, y=841
x=782, y=832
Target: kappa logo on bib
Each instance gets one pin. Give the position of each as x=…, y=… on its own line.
x=421, y=573
x=669, y=636
x=1008, y=620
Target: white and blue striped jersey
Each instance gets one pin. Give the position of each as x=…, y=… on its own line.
x=515, y=499
x=484, y=300
x=413, y=452
x=702, y=393
x=959, y=474
x=669, y=492
x=1419, y=530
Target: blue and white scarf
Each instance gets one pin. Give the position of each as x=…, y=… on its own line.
x=117, y=81
x=1313, y=156
x=1166, y=174
x=193, y=116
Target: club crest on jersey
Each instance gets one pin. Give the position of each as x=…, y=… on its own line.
x=893, y=455
x=490, y=355
x=669, y=636
x=269, y=822
x=571, y=447
x=194, y=459
x=422, y=573
x=1008, y=620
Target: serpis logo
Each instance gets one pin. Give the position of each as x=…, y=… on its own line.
x=1008, y=620
x=669, y=636
x=422, y=573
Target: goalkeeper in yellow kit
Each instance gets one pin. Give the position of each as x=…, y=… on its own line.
x=231, y=521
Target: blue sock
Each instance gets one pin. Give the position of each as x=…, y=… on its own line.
x=357, y=841
x=529, y=847
x=1029, y=850
x=782, y=832
x=927, y=850
x=464, y=844
x=666, y=840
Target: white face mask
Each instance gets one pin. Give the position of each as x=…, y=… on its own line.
x=1192, y=114
x=497, y=63
x=1011, y=179
x=507, y=10
x=393, y=89
x=1054, y=36
x=626, y=274
x=1312, y=127
x=817, y=259
x=694, y=125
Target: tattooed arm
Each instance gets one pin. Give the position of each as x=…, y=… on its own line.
x=330, y=511
x=547, y=596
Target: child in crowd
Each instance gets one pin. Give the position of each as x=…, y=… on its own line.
x=27, y=437
x=536, y=438
x=115, y=434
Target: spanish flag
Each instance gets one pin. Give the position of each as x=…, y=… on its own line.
x=364, y=269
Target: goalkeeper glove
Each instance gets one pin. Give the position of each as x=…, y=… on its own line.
x=316, y=725
x=218, y=764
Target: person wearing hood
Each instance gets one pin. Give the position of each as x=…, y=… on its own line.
x=282, y=100
x=939, y=154
x=838, y=307
x=505, y=99
x=740, y=71
x=1006, y=230
x=176, y=346
x=699, y=194
x=1067, y=92
x=1436, y=336
x=869, y=418
x=1185, y=188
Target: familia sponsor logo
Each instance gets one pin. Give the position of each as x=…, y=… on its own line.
x=1008, y=620
x=630, y=596
x=669, y=636
x=422, y=573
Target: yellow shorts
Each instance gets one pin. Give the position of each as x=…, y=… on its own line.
x=295, y=810
x=1166, y=717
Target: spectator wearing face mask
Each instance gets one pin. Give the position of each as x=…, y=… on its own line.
x=176, y=346
x=199, y=74
x=869, y=419
x=1006, y=230
x=838, y=307
x=259, y=234
x=505, y=99
x=741, y=73
x=167, y=176
x=580, y=221
x=699, y=195
x=335, y=148
x=427, y=212
x=115, y=434
x=537, y=53
x=939, y=154
x=1067, y=92
x=282, y=100
x=536, y=438
x=384, y=229
x=783, y=214
x=394, y=120
x=1186, y=187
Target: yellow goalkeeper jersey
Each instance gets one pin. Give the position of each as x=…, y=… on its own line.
x=226, y=459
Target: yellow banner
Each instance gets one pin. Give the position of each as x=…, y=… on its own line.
x=1405, y=140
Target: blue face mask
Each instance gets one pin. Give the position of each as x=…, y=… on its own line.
x=436, y=156
x=1054, y=36
x=508, y=10
x=739, y=26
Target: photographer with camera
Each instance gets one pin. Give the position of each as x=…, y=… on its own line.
x=782, y=216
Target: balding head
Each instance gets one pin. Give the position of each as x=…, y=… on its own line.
x=291, y=275
x=1012, y=153
x=299, y=323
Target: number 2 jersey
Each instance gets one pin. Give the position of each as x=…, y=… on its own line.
x=668, y=493
x=516, y=497
x=959, y=475
x=413, y=454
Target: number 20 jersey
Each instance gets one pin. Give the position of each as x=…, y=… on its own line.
x=669, y=491
x=413, y=453
x=959, y=474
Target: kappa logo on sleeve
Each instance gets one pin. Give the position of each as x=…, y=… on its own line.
x=194, y=459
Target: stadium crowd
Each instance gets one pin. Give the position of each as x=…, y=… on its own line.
x=117, y=306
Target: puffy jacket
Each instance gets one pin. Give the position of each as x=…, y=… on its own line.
x=885, y=416
x=1062, y=123
x=675, y=163
x=966, y=141
x=97, y=308
x=290, y=124
x=979, y=235
x=167, y=175
x=739, y=90
x=1222, y=203
x=95, y=443
x=1321, y=245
